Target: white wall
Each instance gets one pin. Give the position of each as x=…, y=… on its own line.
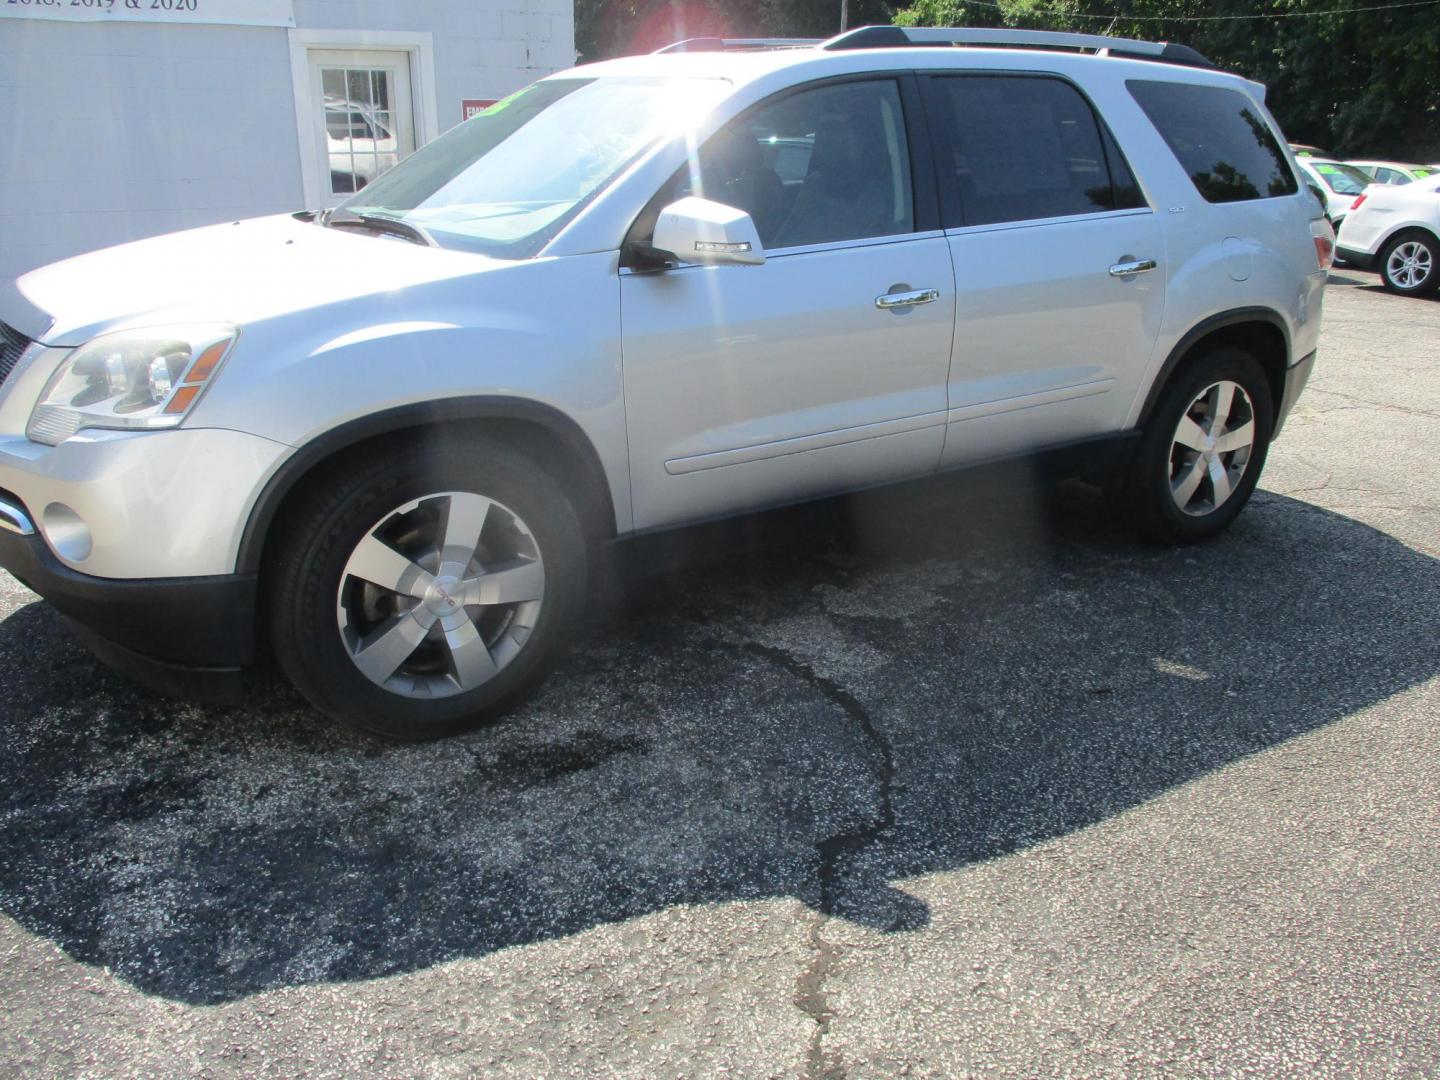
x=483, y=48
x=111, y=133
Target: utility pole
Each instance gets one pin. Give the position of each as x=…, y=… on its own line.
x=844, y=15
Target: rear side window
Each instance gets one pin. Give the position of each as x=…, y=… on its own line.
x=1219, y=138
x=1019, y=148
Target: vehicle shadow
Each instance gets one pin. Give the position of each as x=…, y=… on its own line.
x=817, y=703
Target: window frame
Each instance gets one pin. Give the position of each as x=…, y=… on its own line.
x=952, y=208
x=924, y=200
x=420, y=45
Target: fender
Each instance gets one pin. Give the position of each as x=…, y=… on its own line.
x=1202, y=329
x=420, y=415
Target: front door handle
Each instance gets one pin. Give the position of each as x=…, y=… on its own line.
x=1133, y=266
x=906, y=299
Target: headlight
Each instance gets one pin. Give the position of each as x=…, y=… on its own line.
x=136, y=379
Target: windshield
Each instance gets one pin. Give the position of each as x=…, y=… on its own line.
x=506, y=181
x=1341, y=179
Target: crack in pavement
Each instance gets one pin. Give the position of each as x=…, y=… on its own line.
x=836, y=851
x=1366, y=404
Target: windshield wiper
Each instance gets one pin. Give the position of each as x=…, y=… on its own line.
x=381, y=223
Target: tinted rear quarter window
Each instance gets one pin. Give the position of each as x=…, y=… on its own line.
x=1219, y=138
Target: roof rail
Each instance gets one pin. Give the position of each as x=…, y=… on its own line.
x=889, y=37
x=715, y=44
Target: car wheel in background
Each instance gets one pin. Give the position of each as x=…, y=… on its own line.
x=1410, y=264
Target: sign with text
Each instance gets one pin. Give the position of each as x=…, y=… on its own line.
x=470, y=106
x=227, y=12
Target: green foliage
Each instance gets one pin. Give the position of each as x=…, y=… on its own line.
x=949, y=13
x=1362, y=83
x=1359, y=83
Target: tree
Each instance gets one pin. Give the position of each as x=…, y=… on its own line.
x=1357, y=82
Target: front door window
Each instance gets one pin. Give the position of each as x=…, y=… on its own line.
x=819, y=166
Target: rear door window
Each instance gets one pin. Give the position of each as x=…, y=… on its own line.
x=1022, y=148
x=1219, y=137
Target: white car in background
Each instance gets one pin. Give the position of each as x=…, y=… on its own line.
x=1395, y=231
x=1392, y=172
x=1338, y=181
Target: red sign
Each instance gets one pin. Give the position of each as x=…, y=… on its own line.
x=470, y=106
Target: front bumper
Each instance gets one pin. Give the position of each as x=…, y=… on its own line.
x=123, y=505
x=133, y=538
x=187, y=636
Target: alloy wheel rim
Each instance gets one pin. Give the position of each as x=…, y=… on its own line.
x=440, y=595
x=1212, y=448
x=1409, y=264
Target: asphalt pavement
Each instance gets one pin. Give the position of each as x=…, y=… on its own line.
x=953, y=780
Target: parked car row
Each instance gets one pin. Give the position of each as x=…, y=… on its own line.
x=1393, y=172
x=1386, y=215
x=1395, y=231
x=1379, y=172
x=1337, y=184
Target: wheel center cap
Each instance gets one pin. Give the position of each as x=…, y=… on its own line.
x=443, y=597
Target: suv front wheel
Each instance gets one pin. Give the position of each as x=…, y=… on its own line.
x=1202, y=450
x=419, y=593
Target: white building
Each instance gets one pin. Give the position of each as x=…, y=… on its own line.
x=121, y=119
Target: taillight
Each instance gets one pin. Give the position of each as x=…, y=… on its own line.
x=1324, y=237
x=1356, y=204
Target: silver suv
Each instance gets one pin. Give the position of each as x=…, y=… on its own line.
x=383, y=439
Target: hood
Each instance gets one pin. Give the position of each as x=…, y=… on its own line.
x=238, y=273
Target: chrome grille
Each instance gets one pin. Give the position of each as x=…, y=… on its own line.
x=12, y=345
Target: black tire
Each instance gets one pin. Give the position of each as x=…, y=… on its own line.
x=341, y=507
x=1427, y=247
x=1145, y=492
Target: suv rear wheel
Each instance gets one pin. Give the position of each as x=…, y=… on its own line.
x=1203, y=449
x=1410, y=264
x=421, y=592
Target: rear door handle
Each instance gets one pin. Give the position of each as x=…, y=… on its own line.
x=1134, y=266
x=907, y=299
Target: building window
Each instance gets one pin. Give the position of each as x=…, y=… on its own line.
x=362, y=105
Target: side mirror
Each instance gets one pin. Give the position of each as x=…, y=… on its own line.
x=700, y=231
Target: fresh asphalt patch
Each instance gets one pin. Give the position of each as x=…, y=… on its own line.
x=859, y=709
